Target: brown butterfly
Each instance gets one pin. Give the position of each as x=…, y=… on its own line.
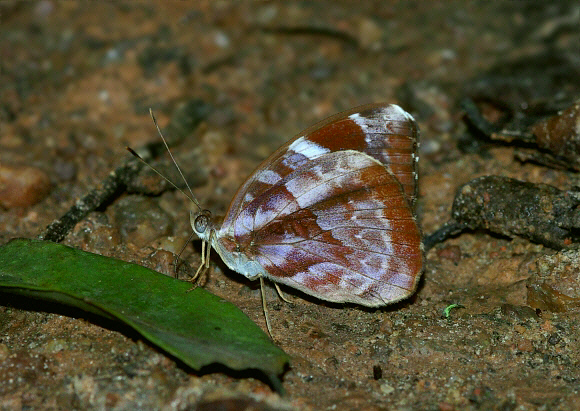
x=330, y=213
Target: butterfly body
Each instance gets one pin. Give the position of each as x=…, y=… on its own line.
x=331, y=213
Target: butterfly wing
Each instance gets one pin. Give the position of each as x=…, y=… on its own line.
x=339, y=228
x=322, y=216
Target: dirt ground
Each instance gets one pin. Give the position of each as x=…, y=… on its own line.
x=76, y=84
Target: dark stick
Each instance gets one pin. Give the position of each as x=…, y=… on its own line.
x=449, y=229
x=476, y=119
x=112, y=185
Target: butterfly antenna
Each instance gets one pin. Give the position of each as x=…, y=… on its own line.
x=192, y=197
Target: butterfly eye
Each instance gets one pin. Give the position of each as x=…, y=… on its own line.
x=201, y=222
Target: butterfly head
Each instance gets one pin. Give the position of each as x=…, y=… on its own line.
x=202, y=223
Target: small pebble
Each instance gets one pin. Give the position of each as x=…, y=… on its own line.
x=22, y=186
x=386, y=388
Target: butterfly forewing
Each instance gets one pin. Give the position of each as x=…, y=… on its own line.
x=331, y=212
x=384, y=131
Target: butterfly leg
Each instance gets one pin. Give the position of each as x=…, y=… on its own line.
x=204, y=265
x=264, y=307
x=281, y=294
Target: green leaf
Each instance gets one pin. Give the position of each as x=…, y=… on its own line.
x=197, y=327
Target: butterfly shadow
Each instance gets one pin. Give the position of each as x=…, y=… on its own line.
x=300, y=302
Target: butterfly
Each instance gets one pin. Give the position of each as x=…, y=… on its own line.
x=330, y=213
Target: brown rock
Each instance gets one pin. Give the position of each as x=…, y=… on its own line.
x=22, y=186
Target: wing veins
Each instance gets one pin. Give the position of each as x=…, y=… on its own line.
x=364, y=250
x=327, y=199
x=313, y=238
x=365, y=218
x=342, y=265
x=334, y=275
x=272, y=166
x=312, y=188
